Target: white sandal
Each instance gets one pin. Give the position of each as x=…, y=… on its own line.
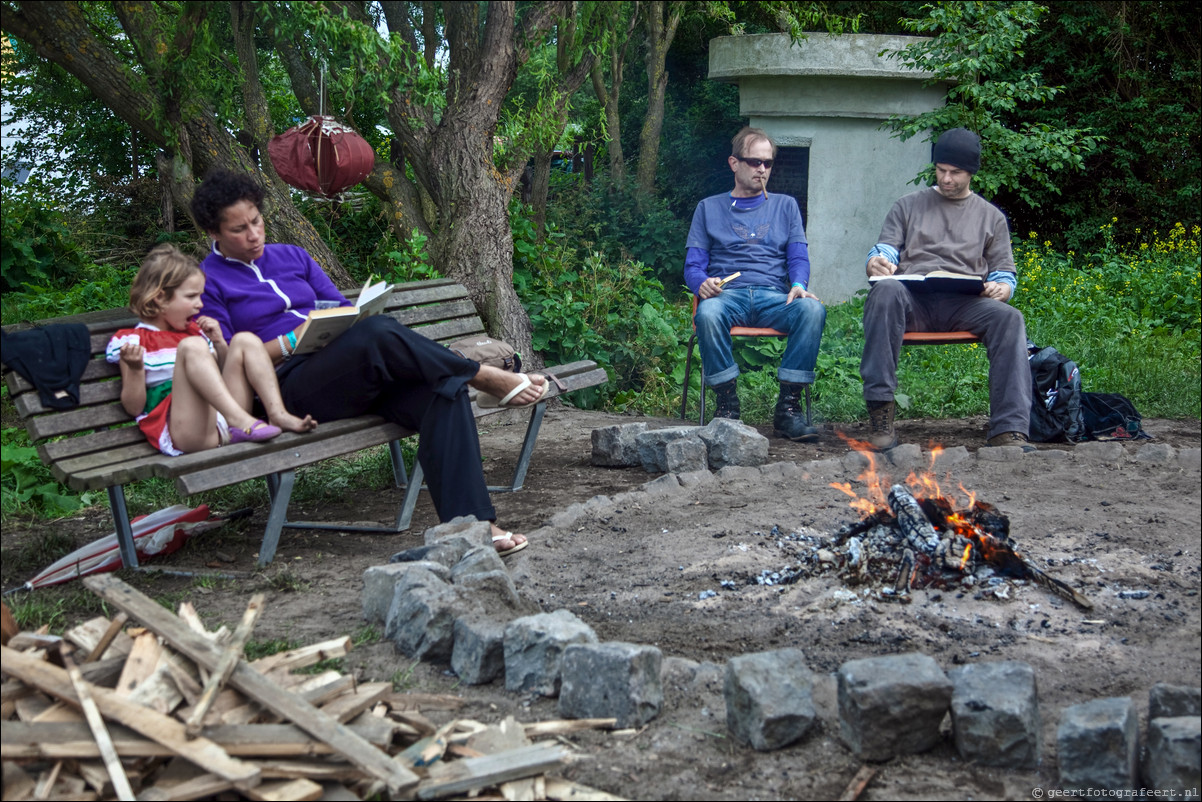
x=489, y=401
x=514, y=550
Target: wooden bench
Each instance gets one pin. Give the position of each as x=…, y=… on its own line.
x=90, y=447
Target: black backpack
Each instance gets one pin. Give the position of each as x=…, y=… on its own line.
x=1111, y=416
x=1055, y=397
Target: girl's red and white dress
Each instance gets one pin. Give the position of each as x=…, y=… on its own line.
x=159, y=349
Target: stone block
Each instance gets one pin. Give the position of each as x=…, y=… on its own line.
x=1156, y=454
x=494, y=591
x=951, y=456
x=995, y=714
x=1050, y=455
x=769, y=698
x=421, y=618
x=604, y=680
x=782, y=471
x=478, y=533
x=651, y=446
x=1000, y=454
x=663, y=486
x=733, y=443
x=447, y=551
x=1170, y=701
x=534, y=645
x=695, y=478
x=892, y=705
x=379, y=586
x=685, y=455
x=1099, y=451
x=479, y=560
x=615, y=446
x=906, y=456
x=824, y=467
x=739, y=473
x=1097, y=745
x=478, y=654
x=855, y=461
x=1173, y=759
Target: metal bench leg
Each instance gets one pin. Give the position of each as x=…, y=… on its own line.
x=399, y=477
x=125, y=532
x=688, y=368
x=279, y=486
x=412, y=491
x=519, y=472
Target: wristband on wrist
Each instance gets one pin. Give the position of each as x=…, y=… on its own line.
x=291, y=339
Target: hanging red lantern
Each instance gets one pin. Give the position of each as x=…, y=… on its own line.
x=321, y=155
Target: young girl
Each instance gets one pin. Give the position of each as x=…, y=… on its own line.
x=183, y=398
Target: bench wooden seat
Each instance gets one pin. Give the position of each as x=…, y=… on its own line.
x=939, y=337
x=92, y=447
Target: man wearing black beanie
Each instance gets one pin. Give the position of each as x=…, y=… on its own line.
x=948, y=228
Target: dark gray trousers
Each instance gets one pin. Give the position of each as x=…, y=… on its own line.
x=891, y=310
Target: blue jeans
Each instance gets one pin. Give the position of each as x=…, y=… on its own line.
x=803, y=320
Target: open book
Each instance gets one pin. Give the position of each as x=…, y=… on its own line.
x=937, y=281
x=324, y=325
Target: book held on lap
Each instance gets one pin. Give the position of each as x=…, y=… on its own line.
x=937, y=281
x=324, y=325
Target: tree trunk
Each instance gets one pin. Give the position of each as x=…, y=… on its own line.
x=539, y=189
x=660, y=33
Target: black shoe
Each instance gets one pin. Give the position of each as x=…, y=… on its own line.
x=727, y=397
x=789, y=421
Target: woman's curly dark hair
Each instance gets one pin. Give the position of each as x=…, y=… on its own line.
x=222, y=189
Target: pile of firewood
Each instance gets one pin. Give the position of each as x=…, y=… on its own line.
x=167, y=710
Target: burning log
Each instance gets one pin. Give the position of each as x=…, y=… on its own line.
x=913, y=522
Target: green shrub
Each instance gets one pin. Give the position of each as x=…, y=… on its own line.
x=37, y=246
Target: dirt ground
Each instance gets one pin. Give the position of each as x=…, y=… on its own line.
x=634, y=571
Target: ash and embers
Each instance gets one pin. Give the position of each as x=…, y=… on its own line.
x=911, y=536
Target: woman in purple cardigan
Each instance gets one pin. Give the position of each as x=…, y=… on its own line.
x=377, y=366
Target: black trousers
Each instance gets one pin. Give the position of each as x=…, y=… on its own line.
x=381, y=367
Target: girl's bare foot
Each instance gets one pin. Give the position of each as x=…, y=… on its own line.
x=506, y=542
x=290, y=423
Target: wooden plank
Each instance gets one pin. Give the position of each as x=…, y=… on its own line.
x=254, y=684
x=567, y=790
x=73, y=741
x=162, y=729
x=90, y=394
x=473, y=773
x=349, y=705
x=304, y=656
x=140, y=664
x=75, y=420
x=108, y=754
x=298, y=790
x=229, y=658
x=96, y=441
x=205, y=785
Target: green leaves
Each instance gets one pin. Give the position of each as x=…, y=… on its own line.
x=974, y=46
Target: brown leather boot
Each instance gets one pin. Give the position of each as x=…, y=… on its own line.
x=1011, y=439
x=880, y=417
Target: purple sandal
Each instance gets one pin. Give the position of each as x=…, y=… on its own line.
x=257, y=432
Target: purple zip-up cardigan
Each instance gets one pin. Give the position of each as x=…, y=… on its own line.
x=268, y=297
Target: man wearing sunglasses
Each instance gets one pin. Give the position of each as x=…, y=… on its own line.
x=947, y=227
x=758, y=236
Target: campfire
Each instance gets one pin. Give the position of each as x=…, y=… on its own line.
x=913, y=535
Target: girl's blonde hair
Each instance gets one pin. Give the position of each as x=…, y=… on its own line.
x=163, y=270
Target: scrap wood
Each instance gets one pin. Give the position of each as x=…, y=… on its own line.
x=8, y=624
x=403, y=700
x=108, y=754
x=163, y=729
x=196, y=788
x=73, y=740
x=474, y=773
x=348, y=705
x=536, y=729
x=299, y=790
x=305, y=656
x=230, y=657
x=110, y=634
x=858, y=784
x=254, y=684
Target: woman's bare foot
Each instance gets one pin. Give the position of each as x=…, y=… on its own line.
x=507, y=542
x=500, y=383
x=290, y=423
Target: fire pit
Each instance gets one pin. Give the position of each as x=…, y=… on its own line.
x=912, y=535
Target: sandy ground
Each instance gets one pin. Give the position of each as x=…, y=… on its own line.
x=634, y=570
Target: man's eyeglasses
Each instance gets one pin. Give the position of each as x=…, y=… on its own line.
x=753, y=163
